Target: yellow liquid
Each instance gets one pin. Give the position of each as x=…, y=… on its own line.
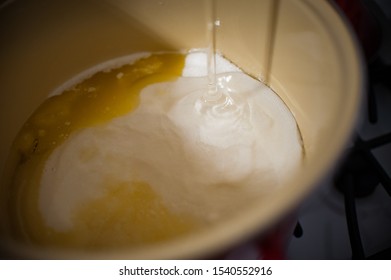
x=125, y=215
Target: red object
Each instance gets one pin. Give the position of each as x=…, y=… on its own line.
x=273, y=243
x=272, y=246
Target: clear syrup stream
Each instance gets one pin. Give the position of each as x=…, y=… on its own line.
x=212, y=93
x=271, y=37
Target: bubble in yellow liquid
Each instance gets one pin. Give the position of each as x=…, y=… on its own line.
x=125, y=215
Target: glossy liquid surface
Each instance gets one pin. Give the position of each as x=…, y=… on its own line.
x=136, y=155
x=92, y=102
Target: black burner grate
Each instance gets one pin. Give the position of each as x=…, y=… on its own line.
x=361, y=172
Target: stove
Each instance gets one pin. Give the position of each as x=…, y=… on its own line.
x=349, y=214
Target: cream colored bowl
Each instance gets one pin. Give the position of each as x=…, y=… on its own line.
x=316, y=70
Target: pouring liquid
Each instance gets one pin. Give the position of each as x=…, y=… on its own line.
x=217, y=97
x=212, y=94
x=194, y=149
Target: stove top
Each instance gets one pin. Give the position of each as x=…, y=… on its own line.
x=349, y=214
